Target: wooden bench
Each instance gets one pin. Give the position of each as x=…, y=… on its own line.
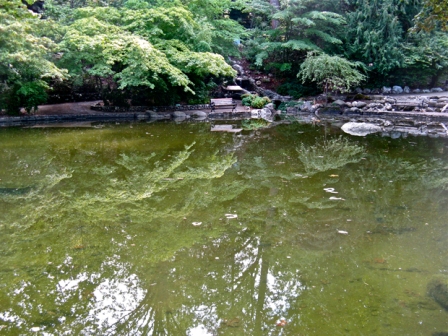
x=222, y=103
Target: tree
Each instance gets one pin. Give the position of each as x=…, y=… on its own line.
x=433, y=14
x=26, y=64
x=297, y=27
x=376, y=32
x=150, y=50
x=330, y=72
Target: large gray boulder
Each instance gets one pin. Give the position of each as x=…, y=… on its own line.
x=154, y=115
x=239, y=69
x=397, y=89
x=339, y=103
x=374, y=106
x=354, y=110
x=390, y=100
x=178, y=114
x=306, y=106
x=359, y=104
x=199, y=114
x=406, y=89
x=437, y=89
x=360, y=129
x=386, y=90
x=270, y=107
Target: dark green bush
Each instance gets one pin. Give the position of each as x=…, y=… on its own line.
x=254, y=101
x=260, y=102
x=27, y=95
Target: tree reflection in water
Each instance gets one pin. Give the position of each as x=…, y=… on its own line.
x=107, y=245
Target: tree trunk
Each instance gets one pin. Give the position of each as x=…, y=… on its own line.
x=276, y=4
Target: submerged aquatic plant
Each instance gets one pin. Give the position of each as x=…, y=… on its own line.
x=330, y=154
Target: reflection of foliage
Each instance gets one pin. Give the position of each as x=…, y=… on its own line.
x=253, y=124
x=436, y=175
x=330, y=154
x=114, y=254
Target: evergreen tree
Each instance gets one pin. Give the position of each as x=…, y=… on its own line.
x=376, y=32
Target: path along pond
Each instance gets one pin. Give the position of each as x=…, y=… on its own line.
x=170, y=229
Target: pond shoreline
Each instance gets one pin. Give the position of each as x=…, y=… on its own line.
x=81, y=115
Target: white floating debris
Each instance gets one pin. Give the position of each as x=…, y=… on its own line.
x=196, y=223
x=331, y=190
x=35, y=329
x=337, y=198
x=231, y=216
x=342, y=232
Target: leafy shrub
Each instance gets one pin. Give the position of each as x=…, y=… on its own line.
x=246, y=99
x=27, y=95
x=254, y=101
x=260, y=102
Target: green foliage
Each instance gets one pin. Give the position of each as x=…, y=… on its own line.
x=25, y=58
x=296, y=89
x=141, y=49
x=376, y=32
x=284, y=105
x=426, y=59
x=331, y=72
x=254, y=100
x=296, y=29
x=32, y=94
x=260, y=102
x=434, y=14
x=246, y=99
x=253, y=124
x=171, y=51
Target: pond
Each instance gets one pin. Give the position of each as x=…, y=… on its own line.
x=170, y=229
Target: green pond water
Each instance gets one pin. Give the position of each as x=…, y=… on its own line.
x=170, y=229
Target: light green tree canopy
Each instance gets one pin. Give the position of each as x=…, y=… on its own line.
x=330, y=72
x=26, y=57
x=155, y=48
